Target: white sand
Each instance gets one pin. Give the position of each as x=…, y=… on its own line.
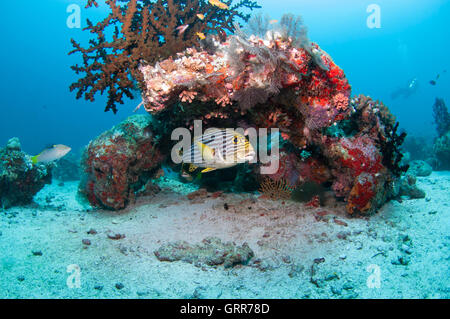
x=286, y=238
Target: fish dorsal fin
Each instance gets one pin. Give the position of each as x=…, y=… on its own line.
x=209, y=169
x=207, y=152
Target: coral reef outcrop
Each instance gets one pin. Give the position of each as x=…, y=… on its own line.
x=442, y=151
x=273, y=78
x=119, y=162
x=441, y=117
x=284, y=81
x=20, y=179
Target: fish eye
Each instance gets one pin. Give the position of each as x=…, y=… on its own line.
x=235, y=140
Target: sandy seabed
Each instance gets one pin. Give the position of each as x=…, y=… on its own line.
x=300, y=252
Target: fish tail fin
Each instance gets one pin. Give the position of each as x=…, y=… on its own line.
x=34, y=159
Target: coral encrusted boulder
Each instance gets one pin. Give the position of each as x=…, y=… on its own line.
x=20, y=179
x=118, y=163
x=284, y=81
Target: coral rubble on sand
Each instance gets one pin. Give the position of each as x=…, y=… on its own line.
x=211, y=252
x=20, y=179
x=119, y=162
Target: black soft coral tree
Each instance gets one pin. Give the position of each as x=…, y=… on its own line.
x=144, y=31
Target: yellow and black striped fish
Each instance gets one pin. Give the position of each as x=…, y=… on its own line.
x=218, y=149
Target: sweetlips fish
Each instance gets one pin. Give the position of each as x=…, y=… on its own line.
x=218, y=149
x=50, y=154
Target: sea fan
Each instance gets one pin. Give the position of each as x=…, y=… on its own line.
x=250, y=97
x=292, y=27
x=276, y=190
x=258, y=25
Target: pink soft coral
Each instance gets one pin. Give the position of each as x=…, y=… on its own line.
x=340, y=101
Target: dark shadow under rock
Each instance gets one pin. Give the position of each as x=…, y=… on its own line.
x=211, y=252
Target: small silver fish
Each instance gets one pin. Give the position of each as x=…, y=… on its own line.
x=51, y=154
x=218, y=149
x=182, y=28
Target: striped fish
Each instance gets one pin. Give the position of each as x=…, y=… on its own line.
x=218, y=149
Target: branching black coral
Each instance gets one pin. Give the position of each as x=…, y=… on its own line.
x=390, y=147
x=144, y=31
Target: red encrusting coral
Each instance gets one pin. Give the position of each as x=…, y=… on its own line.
x=119, y=162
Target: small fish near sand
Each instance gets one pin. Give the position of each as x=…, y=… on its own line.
x=218, y=149
x=219, y=4
x=51, y=154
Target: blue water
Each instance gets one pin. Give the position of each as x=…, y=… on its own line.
x=37, y=107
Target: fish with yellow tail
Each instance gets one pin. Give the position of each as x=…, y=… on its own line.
x=50, y=154
x=218, y=4
x=218, y=149
x=201, y=35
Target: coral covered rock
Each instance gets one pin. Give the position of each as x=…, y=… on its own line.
x=119, y=162
x=20, y=179
x=288, y=83
x=420, y=168
x=441, y=117
x=274, y=79
x=211, y=252
x=409, y=188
